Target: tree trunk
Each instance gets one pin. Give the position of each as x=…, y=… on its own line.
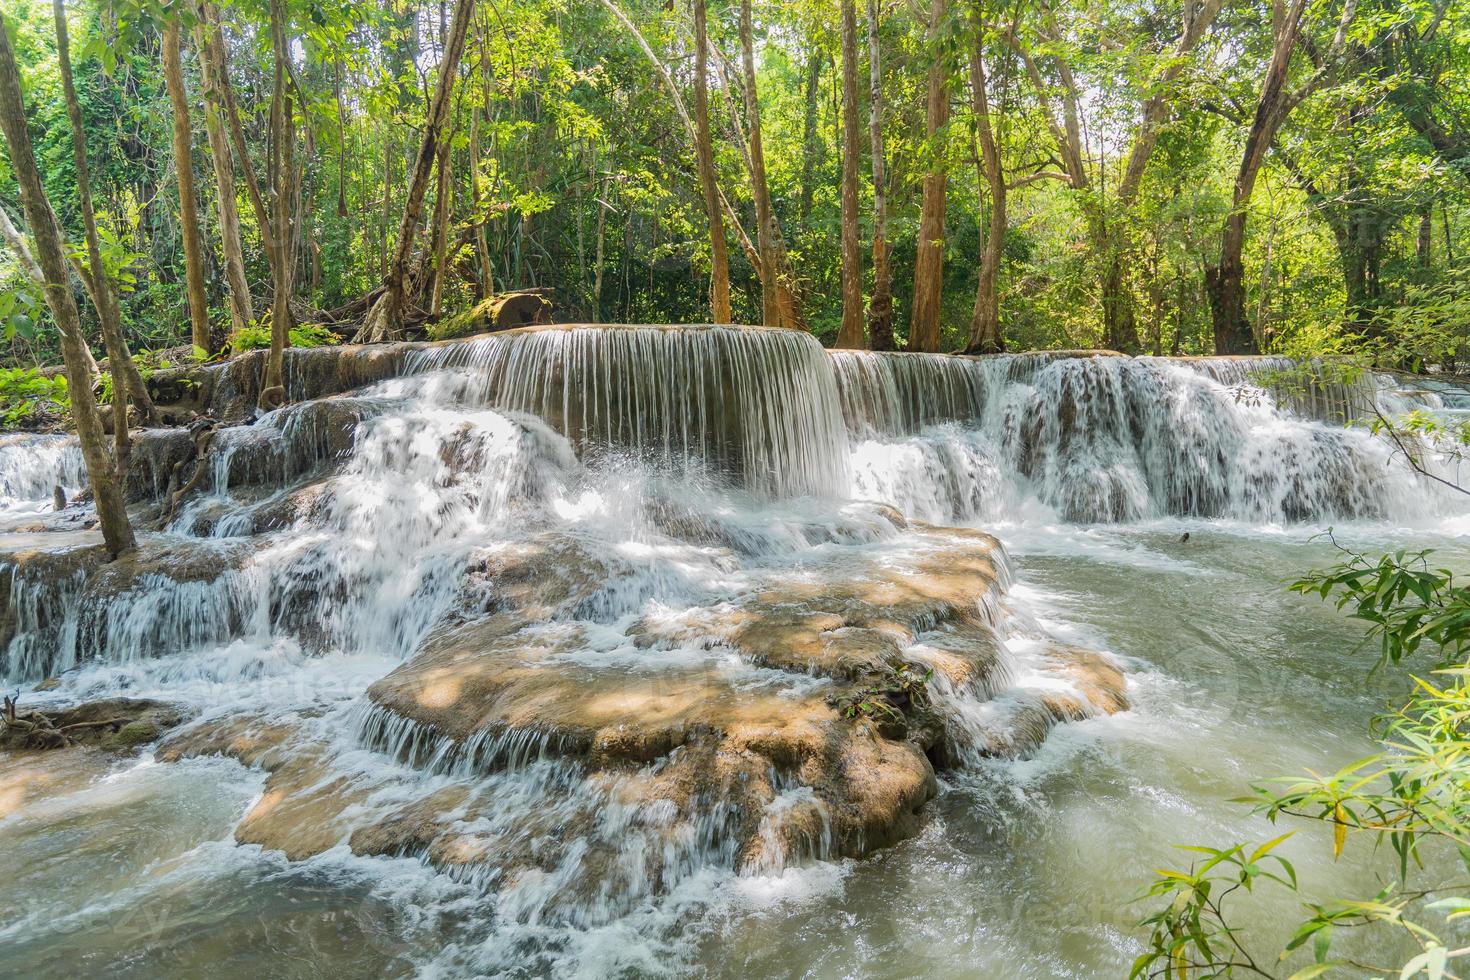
x=439, y=238
x=985, y=337
x=599, y=251
x=173, y=78
x=219, y=60
x=851, y=334
x=385, y=320
x=929, y=267
x=283, y=167
x=242, y=310
x=811, y=146
x=112, y=514
x=880, y=306
x=482, y=241
x=764, y=218
x=719, y=257
x=127, y=382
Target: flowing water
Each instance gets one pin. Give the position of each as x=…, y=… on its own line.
x=625, y=495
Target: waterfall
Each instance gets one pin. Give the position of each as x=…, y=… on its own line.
x=32, y=466
x=758, y=404
x=1116, y=439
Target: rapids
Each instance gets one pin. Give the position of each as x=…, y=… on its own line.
x=527, y=655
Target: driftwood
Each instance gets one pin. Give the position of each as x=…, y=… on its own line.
x=37, y=731
x=202, y=428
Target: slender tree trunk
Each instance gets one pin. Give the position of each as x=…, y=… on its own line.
x=127, y=382
x=880, y=306
x=32, y=269
x=112, y=514
x=242, y=310
x=599, y=252
x=929, y=267
x=219, y=60
x=385, y=320
x=719, y=284
x=173, y=78
x=386, y=217
x=764, y=218
x=985, y=336
x=811, y=146
x=283, y=167
x=851, y=334
x=482, y=241
x=439, y=238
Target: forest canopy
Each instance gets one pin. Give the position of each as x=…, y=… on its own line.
x=1152, y=177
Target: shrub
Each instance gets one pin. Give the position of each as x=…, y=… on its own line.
x=28, y=397
x=257, y=336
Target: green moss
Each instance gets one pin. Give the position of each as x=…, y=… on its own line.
x=476, y=319
x=131, y=735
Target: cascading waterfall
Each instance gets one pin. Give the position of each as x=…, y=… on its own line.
x=570, y=614
x=758, y=404
x=1111, y=439
x=32, y=466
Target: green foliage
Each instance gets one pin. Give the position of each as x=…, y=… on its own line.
x=1413, y=797
x=257, y=336
x=900, y=688
x=28, y=397
x=1405, y=602
x=570, y=167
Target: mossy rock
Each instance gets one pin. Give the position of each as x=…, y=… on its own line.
x=130, y=736
x=501, y=312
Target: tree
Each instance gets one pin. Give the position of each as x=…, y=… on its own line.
x=880, y=306
x=985, y=336
x=851, y=334
x=385, y=320
x=1107, y=241
x=765, y=218
x=1225, y=279
x=173, y=77
x=50, y=254
x=127, y=382
x=719, y=285
x=242, y=311
x=283, y=168
x=929, y=268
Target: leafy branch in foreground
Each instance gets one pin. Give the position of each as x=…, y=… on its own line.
x=1413, y=796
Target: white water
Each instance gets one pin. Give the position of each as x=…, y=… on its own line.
x=680, y=491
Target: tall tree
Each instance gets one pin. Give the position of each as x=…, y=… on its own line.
x=282, y=172
x=985, y=336
x=242, y=311
x=851, y=334
x=385, y=320
x=127, y=382
x=765, y=218
x=719, y=283
x=929, y=267
x=880, y=306
x=173, y=79
x=50, y=254
x=1225, y=280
